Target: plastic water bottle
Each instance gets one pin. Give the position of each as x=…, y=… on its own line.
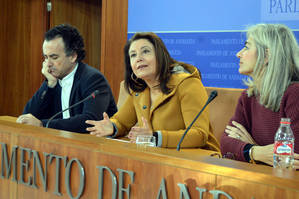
x=284, y=146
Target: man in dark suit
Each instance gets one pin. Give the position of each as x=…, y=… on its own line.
x=68, y=81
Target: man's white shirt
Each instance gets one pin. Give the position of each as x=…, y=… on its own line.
x=66, y=87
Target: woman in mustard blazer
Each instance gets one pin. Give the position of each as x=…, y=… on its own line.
x=165, y=96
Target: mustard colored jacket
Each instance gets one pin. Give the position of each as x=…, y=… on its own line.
x=171, y=113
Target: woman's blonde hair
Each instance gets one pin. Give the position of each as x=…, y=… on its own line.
x=277, y=63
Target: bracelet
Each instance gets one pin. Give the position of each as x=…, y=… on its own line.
x=250, y=155
x=155, y=134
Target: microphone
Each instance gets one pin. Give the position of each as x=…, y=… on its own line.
x=92, y=95
x=211, y=97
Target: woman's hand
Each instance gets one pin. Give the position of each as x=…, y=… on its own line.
x=238, y=131
x=263, y=153
x=100, y=128
x=135, y=131
x=296, y=161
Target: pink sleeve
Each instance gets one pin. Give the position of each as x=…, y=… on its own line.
x=290, y=105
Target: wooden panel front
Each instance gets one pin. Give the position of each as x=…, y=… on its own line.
x=86, y=16
x=247, y=189
x=148, y=166
x=23, y=24
x=113, y=39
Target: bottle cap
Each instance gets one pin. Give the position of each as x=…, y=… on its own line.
x=285, y=121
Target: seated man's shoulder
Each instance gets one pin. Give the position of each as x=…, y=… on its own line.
x=89, y=69
x=89, y=72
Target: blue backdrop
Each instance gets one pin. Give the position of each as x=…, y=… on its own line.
x=208, y=34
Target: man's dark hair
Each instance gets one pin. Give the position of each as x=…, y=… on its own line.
x=73, y=41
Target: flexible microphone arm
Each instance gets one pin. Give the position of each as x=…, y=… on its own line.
x=211, y=97
x=92, y=95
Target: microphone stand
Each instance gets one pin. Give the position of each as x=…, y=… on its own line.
x=85, y=99
x=211, y=97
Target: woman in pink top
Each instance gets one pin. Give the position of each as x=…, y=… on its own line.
x=271, y=58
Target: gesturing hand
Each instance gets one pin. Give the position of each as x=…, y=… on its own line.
x=238, y=131
x=100, y=128
x=135, y=131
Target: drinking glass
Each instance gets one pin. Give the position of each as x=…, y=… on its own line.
x=146, y=140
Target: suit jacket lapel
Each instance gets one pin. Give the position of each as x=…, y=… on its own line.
x=76, y=83
x=160, y=100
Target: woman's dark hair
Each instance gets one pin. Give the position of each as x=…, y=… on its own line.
x=164, y=63
x=73, y=41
